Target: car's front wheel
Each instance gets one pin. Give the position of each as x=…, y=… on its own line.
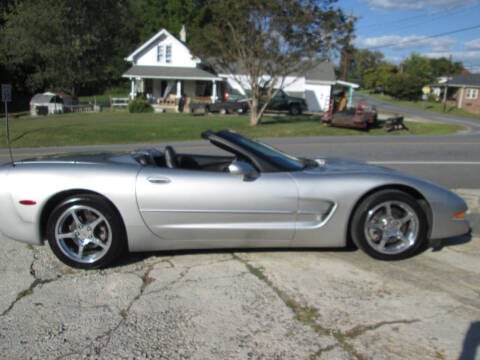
x=389, y=225
x=86, y=232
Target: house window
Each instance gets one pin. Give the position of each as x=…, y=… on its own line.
x=160, y=53
x=164, y=54
x=168, y=54
x=471, y=94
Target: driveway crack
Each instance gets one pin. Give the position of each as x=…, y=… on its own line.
x=34, y=284
x=309, y=316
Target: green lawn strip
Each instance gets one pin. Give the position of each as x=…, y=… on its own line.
x=121, y=127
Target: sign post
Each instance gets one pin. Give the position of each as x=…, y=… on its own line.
x=6, y=98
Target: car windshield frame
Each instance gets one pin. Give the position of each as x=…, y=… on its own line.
x=265, y=152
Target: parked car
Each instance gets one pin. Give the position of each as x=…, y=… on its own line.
x=284, y=102
x=232, y=102
x=91, y=208
x=235, y=102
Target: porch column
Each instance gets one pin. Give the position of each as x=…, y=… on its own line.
x=214, y=91
x=179, y=89
x=132, y=88
x=460, y=98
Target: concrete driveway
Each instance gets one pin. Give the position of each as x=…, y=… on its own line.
x=327, y=304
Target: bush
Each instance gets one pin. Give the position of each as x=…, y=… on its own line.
x=139, y=105
x=404, y=87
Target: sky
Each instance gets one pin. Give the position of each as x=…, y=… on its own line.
x=432, y=28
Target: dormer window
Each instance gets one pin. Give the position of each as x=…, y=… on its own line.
x=164, y=54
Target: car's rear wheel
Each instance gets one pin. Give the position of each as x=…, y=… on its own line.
x=389, y=225
x=86, y=232
x=295, y=110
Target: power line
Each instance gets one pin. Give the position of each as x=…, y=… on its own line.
x=422, y=17
x=425, y=37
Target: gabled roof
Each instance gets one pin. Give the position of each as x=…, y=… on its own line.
x=468, y=80
x=153, y=40
x=169, y=72
x=323, y=72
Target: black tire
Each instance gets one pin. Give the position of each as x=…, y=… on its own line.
x=295, y=110
x=389, y=225
x=86, y=232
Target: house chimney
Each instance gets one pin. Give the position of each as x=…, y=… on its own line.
x=183, y=34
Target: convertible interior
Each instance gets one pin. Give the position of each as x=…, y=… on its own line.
x=262, y=157
x=169, y=158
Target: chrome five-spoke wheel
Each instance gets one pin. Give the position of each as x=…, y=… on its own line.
x=389, y=225
x=85, y=232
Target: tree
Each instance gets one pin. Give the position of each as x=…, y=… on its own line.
x=63, y=45
x=404, y=86
x=262, y=42
x=419, y=67
x=415, y=72
x=152, y=15
x=378, y=77
x=444, y=67
x=363, y=61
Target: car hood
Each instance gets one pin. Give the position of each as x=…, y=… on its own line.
x=338, y=164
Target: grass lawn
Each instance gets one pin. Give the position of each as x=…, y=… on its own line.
x=121, y=127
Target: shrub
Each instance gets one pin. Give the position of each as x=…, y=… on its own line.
x=139, y=105
x=404, y=87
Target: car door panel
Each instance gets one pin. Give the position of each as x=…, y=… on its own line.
x=203, y=206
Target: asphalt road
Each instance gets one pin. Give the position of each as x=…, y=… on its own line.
x=386, y=107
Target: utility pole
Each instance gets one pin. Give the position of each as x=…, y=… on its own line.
x=347, y=48
x=6, y=98
x=446, y=84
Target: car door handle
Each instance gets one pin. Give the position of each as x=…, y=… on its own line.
x=159, y=180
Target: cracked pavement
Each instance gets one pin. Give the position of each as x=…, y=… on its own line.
x=325, y=304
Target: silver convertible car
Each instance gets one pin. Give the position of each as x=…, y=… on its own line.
x=91, y=208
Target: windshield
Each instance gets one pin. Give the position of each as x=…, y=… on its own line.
x=266, y=152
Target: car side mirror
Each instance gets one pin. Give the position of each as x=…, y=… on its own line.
x=241, y=168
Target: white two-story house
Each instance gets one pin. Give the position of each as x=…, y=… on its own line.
x=164, y=69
